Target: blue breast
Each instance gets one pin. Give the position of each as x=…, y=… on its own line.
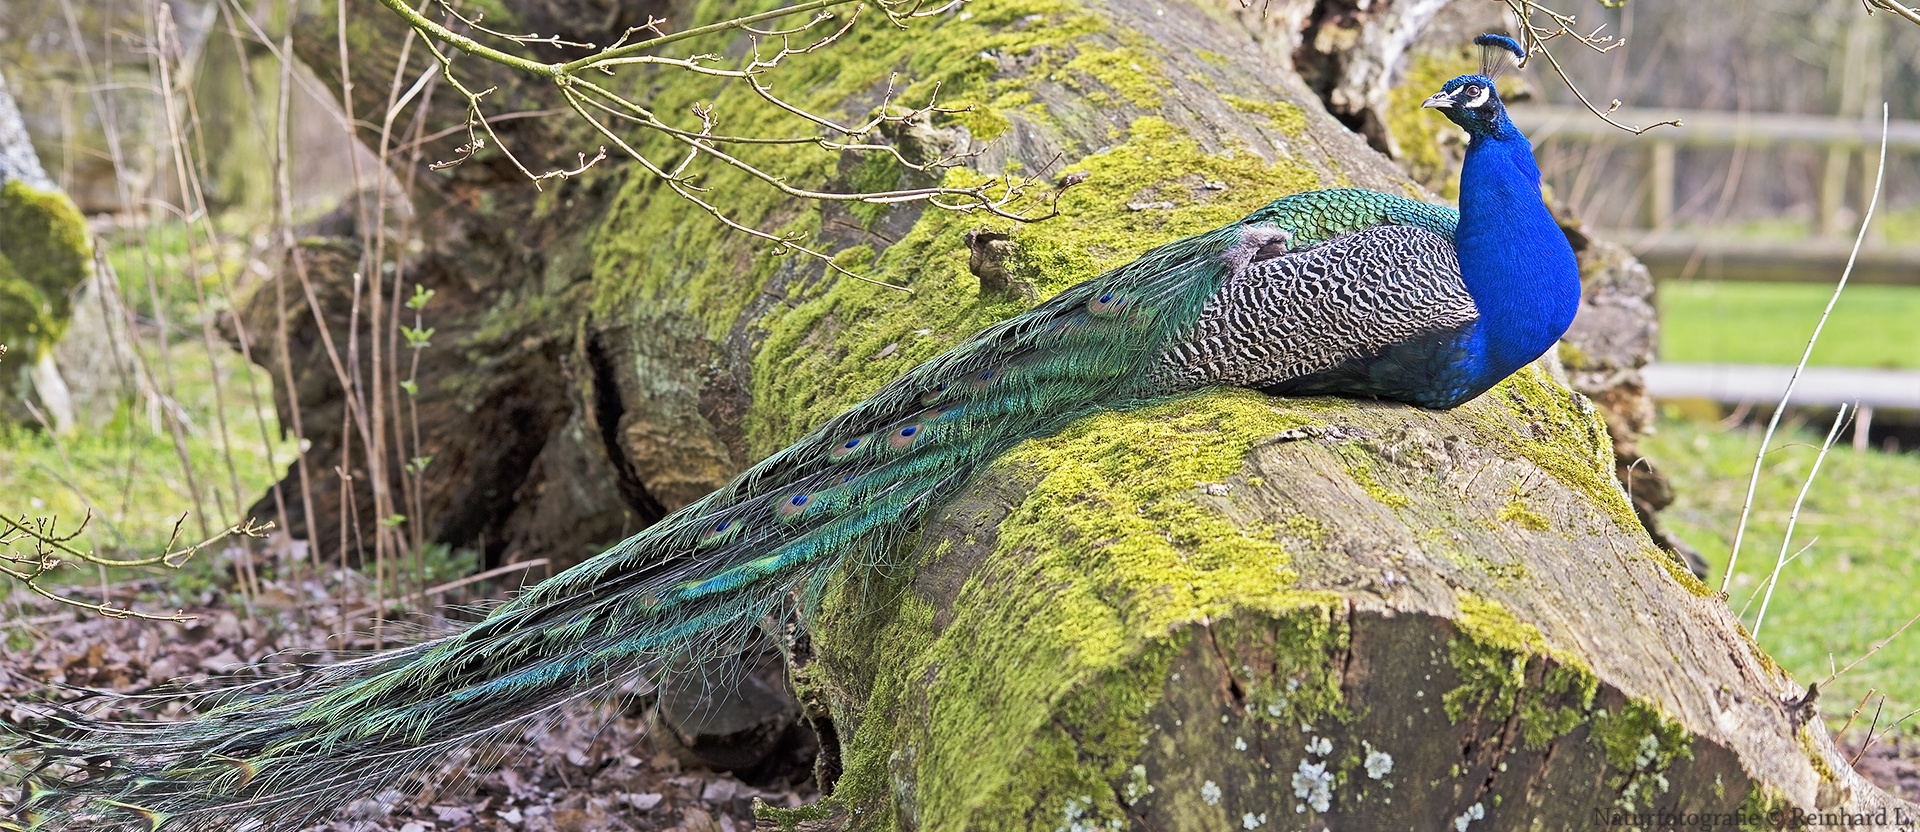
x=1514, y=259
x=1517, y=267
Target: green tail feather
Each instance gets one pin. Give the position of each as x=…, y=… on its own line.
x=292, y=749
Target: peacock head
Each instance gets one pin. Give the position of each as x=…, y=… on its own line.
x=1471, y=100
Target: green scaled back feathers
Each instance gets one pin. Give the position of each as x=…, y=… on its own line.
x=292, y=749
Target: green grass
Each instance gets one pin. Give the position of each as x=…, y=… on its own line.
x=132, y=477
x=1769, y=323
x=159, y=252
x=129, y=473
x=1854, y=587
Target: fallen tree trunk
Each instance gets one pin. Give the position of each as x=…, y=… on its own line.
x=1233, y=611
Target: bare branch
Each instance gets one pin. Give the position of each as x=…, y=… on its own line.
x=1912, y=14
x=531, y=39
x=32, y=548
x=585, y=164
x=688, y=192
x=822, y=26
x=1773, y=423
x=723, y=26
x=1534, y=38
x=964, y=199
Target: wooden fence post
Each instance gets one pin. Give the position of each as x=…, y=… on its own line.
x=1660, y=186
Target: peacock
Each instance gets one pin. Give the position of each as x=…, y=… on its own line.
x=1333, y=292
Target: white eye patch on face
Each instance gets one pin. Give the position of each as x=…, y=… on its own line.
x=1479, y=97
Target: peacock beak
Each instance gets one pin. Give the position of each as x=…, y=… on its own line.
x=1441, y=100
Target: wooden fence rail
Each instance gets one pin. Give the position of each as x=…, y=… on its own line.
x=1668, y=253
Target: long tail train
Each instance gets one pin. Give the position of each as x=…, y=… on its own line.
x=290, y=750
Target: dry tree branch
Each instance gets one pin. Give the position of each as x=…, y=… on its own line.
x=32, y=548
x=823, y=26
x=644, y=117
x=1856, y=709
x=1773, y=423
x=998, y=206
x=1875, y=649
x=583, y=167
x=687, y=191
x=1793, y=518
x=1912, y=14
x=416, y=144
x=1534, y=38
x=530, y=39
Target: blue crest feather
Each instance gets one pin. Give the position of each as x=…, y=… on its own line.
x=1493, y=53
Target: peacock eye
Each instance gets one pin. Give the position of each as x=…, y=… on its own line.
x=1472, y=90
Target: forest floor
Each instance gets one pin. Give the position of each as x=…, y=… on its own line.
x=1893, y=764
x=592, y=769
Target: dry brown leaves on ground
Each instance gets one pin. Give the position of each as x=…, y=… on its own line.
x=591, y=769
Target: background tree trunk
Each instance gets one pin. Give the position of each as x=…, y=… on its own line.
x=1226, y=610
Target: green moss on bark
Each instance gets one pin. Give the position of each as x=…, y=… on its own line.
x=1641, y=744
x=1492, y=657
x=1566, y=439
x=1517, y=512
x=822, y=343
x=1418, y=132
x=1128, y=72
x=44, y=255
x=1284, y=115
x=1094, y=584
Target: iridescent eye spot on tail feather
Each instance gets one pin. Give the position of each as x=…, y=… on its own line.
x=985, y=378
x=904, y=437
x=793, y=505
x=720, y=532
x=847, y=448
x=935, y=395
x=1109, y=303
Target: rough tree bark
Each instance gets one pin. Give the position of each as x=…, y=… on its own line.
x=1222, y=612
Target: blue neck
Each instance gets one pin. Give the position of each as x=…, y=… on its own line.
x=1514, y=258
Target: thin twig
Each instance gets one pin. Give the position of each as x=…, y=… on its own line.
x=1870, y=728
x=1794, y=517
x=1759, y=459
x=1856, y=708
x=31, y=549
x=190, y=182
x=1003, y=198
x=1911, y=14
x=1536, y=38
x=1876, y=649
x=1757, y=590
x=687, y=192
x=1896, y=723
x=725, y=25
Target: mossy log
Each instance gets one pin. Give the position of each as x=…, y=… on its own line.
x=1236, y=612
x=1226, y=611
